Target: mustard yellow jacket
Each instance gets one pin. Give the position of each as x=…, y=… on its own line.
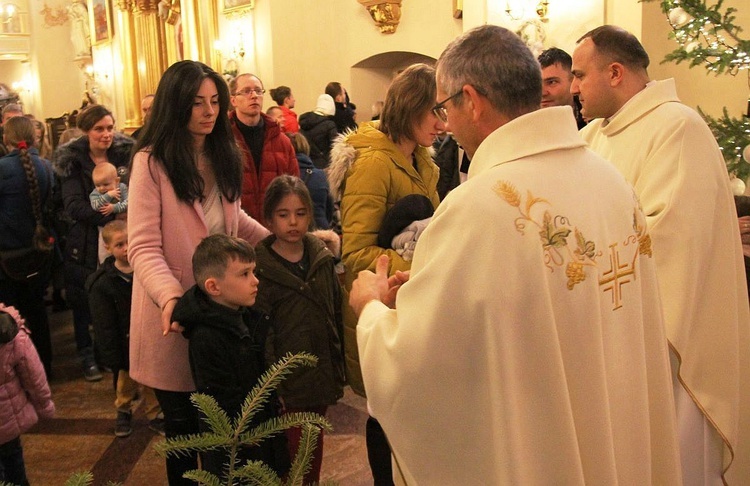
x=370, y=175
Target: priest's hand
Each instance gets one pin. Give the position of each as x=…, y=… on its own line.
x=370, y=286
x=394, y=283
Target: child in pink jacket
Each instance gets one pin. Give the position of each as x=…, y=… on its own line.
x=24, y=393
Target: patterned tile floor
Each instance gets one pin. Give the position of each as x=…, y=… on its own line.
x=80, y=437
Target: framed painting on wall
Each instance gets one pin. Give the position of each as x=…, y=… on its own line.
x=230, y=6
x=100, y=19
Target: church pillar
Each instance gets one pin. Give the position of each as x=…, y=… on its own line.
x=171, y=12
x=130, y=86
x=200, y=26
x=150, y=46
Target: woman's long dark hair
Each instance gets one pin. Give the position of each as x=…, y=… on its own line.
x=171, y=144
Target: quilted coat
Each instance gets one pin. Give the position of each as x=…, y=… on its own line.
x=277, y=158
x=24, y=393
x=368, y=174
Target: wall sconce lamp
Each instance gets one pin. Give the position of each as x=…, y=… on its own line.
x=8, y=12
x=234, y=50
x=541, y=10
x=238, y=50
x=23, y=86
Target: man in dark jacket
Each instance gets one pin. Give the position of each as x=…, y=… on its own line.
x=319, y=129
x=266, y=151
x=344, y=116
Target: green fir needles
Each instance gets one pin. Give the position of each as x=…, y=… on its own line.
x=231, y=434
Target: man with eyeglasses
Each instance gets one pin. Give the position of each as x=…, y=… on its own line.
x=266, y=150
x=527, y=346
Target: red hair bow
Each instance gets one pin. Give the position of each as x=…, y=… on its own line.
x=22, y=145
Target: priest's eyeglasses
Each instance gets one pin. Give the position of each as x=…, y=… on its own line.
x=249, y=91
x=439, y=109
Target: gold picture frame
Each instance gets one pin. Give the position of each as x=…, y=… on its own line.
x=230, y=6
x=100, y=21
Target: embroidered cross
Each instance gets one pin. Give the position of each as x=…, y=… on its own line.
x=617, y=276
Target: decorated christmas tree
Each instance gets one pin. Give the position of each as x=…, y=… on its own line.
x=708, y=36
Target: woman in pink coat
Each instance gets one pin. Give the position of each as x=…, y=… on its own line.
x=24, y=393
x=185, y=184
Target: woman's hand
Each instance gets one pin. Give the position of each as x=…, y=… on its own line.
x=167, y=325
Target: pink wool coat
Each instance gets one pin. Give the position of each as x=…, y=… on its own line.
x=24, y=393
x=163, y=233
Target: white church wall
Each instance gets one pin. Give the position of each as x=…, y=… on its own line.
x=56, y=77
x=325, y=42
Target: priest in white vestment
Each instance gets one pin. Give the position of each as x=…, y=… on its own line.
x=668, y=153
x=527, y=347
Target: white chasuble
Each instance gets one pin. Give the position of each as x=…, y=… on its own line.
x=528, y=346
x=666, y=151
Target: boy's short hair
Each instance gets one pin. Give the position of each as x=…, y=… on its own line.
x=213, y=254
x=109, y=230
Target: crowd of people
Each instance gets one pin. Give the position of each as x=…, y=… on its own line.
x=555, y=293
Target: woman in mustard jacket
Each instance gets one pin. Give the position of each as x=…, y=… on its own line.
x=371, y=169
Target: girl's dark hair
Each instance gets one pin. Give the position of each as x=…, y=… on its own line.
x=91, y=116
x=280, y=94
x=19, y=132
x=281, y=187
x=171, y=145
x=409, y=98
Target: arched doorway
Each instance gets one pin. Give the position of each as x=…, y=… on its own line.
x=372, y=76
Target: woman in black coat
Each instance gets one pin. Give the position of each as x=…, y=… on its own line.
x=74, y=162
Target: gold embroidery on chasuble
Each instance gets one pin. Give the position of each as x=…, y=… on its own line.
x=618, y=275
x=565, y=245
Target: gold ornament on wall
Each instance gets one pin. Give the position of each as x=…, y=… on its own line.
x=237, y=6
x=54, y=16
x=385, y=13
x=169, y=11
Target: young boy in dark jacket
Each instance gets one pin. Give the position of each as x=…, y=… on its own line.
x=227, y=341
x=110, y=289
